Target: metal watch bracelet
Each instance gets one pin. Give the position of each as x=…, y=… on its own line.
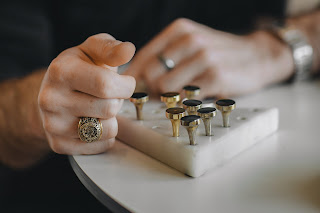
x=302, y=51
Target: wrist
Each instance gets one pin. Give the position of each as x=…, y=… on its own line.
x=306, y=24
x=275, y=56
x=34, y=126
x=23, y=141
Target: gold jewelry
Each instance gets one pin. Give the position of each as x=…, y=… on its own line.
x=89, y=129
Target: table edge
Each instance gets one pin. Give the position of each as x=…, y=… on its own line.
x=98, y=193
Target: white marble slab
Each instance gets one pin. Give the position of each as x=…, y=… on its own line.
x=153, y=136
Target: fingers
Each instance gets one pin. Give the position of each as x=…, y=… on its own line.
x=184, y=73
x=61, y=125
x=103, y=48
x=90, y=79
x=67, y=126
x=220, y=63
x=178, y=50
x=80, y=104
x=209, y=82
x=62, y=133
x=152, y=72
x=183, y=47
x=171, y=33
x=82, y=82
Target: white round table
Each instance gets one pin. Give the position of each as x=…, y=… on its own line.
x=280, y=174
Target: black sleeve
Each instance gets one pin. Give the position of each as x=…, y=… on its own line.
x=25, y=38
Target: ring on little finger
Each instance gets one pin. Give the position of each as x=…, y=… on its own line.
x=89, y=129
x=167, y=62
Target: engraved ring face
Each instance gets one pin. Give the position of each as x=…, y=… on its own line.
x=89, y=129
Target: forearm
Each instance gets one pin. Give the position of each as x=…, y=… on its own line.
x=309, y=25
x=22, y=141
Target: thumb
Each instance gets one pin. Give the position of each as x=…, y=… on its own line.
x=103, y=48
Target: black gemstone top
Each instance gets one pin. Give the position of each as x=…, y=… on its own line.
x=138, y=95
x=206, y=110
x=190, y=118
x=175, y=110
x=225, y=102
x=191, y=88
x=170, y=94
x=192, y=102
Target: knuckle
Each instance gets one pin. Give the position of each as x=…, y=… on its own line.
x=48, y=125
x=190, y=38
x=100, y=39
x=103, y=86
x=111, y=109
x=55, y=64
x=59, y=67
x=108, y=112
x=57, y=146
x=55, y=70
x=181, y=23
x=68, y=60
x=105, y=111
x=204, y=55
x=111, y=143
x=45, y=99
x=93, y=39
x=112, y=128
x=131, y=84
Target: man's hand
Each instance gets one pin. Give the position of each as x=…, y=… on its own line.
x=83, y=82
x=222, y=64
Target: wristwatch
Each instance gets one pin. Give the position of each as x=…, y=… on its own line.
x=302, y=51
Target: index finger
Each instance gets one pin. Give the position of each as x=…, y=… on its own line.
x=101, y=82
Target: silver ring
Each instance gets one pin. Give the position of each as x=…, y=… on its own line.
x=167, y=62
x=89, y=129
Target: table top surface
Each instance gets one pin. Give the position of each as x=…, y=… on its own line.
x=279, y=174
